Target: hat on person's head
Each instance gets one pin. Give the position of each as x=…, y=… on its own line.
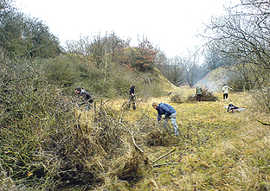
x=78, y=89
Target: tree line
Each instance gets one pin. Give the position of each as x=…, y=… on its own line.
x=24, y=36
x=240, y=38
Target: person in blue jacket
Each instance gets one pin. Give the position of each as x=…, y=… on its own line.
x=169, y=112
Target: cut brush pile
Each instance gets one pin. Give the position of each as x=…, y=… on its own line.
x=106, y=147
x=206, y=96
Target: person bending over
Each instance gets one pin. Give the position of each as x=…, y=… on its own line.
x=87, y=98
x=169, y=112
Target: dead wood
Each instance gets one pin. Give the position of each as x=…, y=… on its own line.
x=163, y=156
x=263, y=123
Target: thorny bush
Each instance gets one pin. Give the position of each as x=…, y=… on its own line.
x=33, y=124
x=262, y=99
x=44, y=147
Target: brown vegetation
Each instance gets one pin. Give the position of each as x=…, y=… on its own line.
x=206, y=96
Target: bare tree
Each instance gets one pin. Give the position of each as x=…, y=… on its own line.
x=191, y=64
x=243, y=35
x=175, y=71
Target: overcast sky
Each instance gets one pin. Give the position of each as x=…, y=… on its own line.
x=170, y=25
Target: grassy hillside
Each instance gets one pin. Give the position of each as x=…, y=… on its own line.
x=216, y=150
x=70, y=71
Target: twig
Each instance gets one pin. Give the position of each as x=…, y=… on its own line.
x=263, y=123
x=163, y=156
x=155, y=183
x=163, y=164
x=100, y=165
x=136, y=146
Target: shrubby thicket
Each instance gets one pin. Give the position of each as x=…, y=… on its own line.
x=239, y=40
x=43, y=146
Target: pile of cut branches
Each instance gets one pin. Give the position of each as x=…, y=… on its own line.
x=206, y=96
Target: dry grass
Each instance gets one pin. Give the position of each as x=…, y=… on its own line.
x=216, y=151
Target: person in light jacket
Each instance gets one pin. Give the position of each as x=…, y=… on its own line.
x=198, y=93
x=225, y=90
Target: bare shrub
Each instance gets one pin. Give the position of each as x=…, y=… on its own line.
x=177, y=98
x=31, y=112
x=44, y=147
x=104, y=146
x=262, y=99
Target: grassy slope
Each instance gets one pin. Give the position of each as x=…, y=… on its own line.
x=216, y=150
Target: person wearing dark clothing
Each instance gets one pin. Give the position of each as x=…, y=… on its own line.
x=169, y=112
x=198, y=93
x=87, y=98
x=132, y=90
x=232, y=108
x=132, y=97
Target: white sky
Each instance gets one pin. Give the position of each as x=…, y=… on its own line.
x=170, y=25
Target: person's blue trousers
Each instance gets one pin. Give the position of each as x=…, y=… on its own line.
x=172, y=117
